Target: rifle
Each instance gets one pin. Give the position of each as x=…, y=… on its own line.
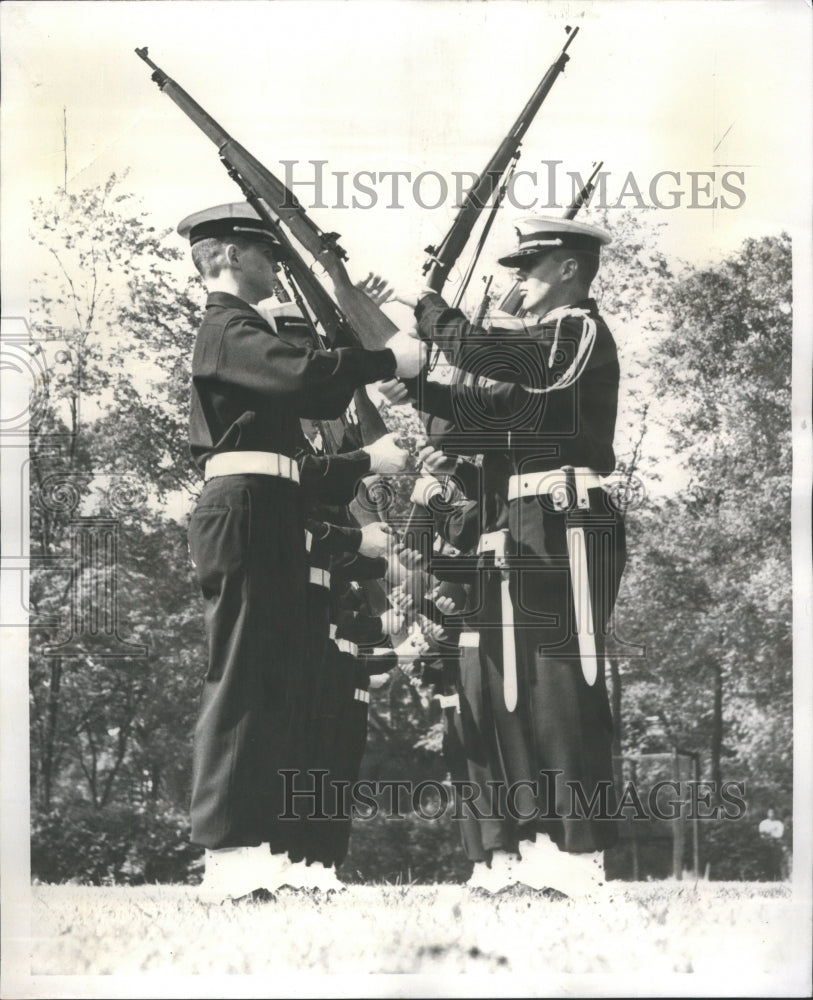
x=372, y=328
x=359, y=321
x=502, y=163
x=442, y=258
x=485, y=302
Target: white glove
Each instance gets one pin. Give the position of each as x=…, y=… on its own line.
x=412, y=297
x=413, y=646
x=410, y=353
x=392, y=621
x=377, y=288
x=434, y=461
x=386, y=456
x=376, y=540
x=393, y=391
x=425, y=489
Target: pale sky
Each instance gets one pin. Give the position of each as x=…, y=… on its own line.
x=412, y=86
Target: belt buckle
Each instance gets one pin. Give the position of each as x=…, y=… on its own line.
x=580, y=485
x=564, y=499
x=498, y=548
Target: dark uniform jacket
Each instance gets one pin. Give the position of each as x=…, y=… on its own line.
x=522, y=411
x=249, y=387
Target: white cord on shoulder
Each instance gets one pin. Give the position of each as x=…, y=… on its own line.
x=587, y=341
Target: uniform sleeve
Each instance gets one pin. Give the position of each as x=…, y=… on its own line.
x=470, y=407
x=460, y=525
x=352, y=566
x=469, y=476
x=556, y=357
x=312, y=383
x=439, y=324
x=333, y=539
x=361, y=628
x=488, y=406
x=380, y=660
x=332, y=479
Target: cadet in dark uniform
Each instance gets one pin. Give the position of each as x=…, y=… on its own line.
x=552, y=548
x=247, y=532
x=328, y=483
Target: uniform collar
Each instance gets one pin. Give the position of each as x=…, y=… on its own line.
x=586, y=305
x=228, y=300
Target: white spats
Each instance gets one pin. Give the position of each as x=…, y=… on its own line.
x=317, y=876
x=541, y=866
x=544, y=866
x=500, y=874
x=233, y=872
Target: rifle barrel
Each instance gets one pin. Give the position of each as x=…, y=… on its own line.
x=443, y=258
x=585, y=193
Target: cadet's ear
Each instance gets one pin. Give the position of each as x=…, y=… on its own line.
x=232, y=253
x=569, y=268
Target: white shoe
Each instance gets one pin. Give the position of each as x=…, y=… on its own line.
x=232, y=872
x=483, y=878
x=540, y=866
x=500, y=874
x=324, y=878
x=544, y=866
x=275, y=870
x=578, y=876
x=299, y=875
x=506, y=864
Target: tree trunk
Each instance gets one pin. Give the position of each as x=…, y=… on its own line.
x=52, y=718
x=155, y=782
x=717, y=730
x=122, y=742
x=615, y=677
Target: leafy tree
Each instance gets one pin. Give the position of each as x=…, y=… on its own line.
x=709, y=585
x=114, y=417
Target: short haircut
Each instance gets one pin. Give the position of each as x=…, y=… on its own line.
x=209, y=255
x=586, y=260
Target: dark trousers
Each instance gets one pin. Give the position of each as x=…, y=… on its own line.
x=340, y=738
x=483, y=824
x=310, y=736
x=562, y=725
x=246, y=539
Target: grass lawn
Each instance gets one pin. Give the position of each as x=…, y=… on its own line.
x=725, y=933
